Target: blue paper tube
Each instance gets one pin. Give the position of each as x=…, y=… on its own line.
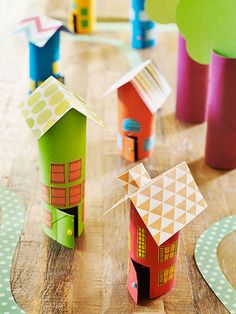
x=143, y=30
x=44, y=61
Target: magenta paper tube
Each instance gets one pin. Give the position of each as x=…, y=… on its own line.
x=221, y=129
x=192, y=87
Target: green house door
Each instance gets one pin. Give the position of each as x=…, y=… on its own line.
x=65, y=229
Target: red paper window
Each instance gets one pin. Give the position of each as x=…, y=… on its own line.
x=45, y=193
x=75, y=170
x=58, y=197
x=74, y=194
x=47, y=215
x=57, y=173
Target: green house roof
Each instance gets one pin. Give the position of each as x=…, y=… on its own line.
x=49, y=103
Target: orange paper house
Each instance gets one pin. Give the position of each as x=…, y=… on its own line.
x=160, y=208
x=141, y=92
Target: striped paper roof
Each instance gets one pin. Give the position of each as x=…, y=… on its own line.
x=167, y=203
x=150, y=84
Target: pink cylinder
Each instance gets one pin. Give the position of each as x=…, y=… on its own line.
x=221, y=129
x=192, y=87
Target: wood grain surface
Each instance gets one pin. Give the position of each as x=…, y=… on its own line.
x=47, y=278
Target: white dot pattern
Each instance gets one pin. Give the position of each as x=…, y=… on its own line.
x=12, y=221
x=208, y=264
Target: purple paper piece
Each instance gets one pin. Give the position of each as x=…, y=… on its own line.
x=192, y=86
x=221, y=130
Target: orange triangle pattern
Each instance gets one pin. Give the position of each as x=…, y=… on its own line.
x=183, y=202
x=135, y=178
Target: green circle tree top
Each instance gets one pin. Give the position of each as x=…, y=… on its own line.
x=208, y=25
x=161, y=11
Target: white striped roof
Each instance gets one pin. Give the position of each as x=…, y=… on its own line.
x=150, y=84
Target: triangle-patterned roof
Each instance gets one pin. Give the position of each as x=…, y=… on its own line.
x=135, y=178
x=38, y=29
x=150, y=84
x=49, y=103
x=169, y=202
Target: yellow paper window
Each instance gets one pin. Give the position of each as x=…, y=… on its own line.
x=141, y=243
x=166, y=275
x=167, y=252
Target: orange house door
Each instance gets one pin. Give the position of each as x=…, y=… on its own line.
x=130, y=151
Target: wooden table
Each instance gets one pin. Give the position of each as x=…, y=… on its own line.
x=46, y=277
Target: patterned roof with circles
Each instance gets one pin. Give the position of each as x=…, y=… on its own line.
x=169, y=202
x=49, y=103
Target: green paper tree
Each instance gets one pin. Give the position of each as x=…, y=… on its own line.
x=161, y=11
x=208, y=25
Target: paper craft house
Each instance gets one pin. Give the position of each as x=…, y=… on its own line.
x=82, y=16
x=160, y=209
x=143, y=29
x=43, y=35
x=57, y=119
x=141, y=92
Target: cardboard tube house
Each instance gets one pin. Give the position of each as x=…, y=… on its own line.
x=160, y=208
x=143, y=29
x=57, y=118
x=43, y=35
x=82, y=16
x=141, y=92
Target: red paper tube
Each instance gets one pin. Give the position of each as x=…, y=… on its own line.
x=149, y=264
x=221, y=130
x=192, y=87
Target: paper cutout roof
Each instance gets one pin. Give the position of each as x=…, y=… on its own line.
x=149, y=83
x=135, y=178
x=49, y=103
x=38, y=29
x=167, y=203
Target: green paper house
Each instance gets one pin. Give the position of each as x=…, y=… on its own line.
x=57, y=119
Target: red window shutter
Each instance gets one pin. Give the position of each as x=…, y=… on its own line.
x=47, y=215
x=74, y=194
x=75, y=170
x=58, y=173
x=58, y=197
x=45, y=193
